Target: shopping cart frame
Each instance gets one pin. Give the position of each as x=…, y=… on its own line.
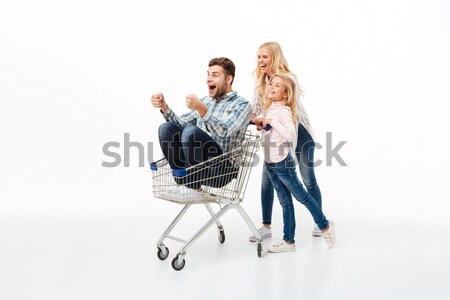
x=227, y=190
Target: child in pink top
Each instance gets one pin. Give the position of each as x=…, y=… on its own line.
x=278, y=144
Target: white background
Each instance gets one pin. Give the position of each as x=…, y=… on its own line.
x=76, y=75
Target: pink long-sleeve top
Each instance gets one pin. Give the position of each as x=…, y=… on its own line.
x=282, y=137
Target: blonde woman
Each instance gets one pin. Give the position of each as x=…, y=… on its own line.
x=271, y=60
x=278, y=143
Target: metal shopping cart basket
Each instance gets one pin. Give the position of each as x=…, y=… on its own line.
x=223, y=181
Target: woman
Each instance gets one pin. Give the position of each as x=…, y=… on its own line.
x=270, y=60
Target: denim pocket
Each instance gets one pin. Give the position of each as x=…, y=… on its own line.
x=290, y=161
x=286, y=163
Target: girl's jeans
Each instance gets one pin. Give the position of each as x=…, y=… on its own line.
x=305, y=157
x=284, y=179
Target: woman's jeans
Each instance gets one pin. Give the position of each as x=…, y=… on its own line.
x=184, y=147
x=284, y=178
x=305, y=156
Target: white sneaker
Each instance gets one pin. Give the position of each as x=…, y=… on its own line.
x=330, y=234
x=179, y=189
x=183, y=193
x=316, y=231
x=171, y=194
x=263, y=231
x=282, y=247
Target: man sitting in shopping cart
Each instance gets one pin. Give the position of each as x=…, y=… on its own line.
x=215, y=125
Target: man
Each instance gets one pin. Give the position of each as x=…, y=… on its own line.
x=215, y=125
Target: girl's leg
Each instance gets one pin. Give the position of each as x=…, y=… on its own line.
x=285, y=198
x=305, y=157
x=287, y=174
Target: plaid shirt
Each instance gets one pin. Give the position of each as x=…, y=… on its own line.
x=225, y=121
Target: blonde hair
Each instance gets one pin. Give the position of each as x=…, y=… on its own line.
x=290, y=86
x=279, y=65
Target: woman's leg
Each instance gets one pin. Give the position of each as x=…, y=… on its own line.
x=267, y=196
x=305, y=157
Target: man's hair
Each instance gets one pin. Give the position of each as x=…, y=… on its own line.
x=226, y=64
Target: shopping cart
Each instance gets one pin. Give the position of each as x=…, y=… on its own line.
x=223, y=181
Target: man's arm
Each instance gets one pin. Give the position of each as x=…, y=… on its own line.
x=194, y=103
x=183, y=120
x=158, y=101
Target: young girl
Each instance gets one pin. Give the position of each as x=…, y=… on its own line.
x=278, y=144
x=271, y=60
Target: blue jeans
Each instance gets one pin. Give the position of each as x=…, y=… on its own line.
x=284, y=179
x=305, y=156
x=184, y=147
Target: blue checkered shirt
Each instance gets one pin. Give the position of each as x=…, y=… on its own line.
x=226, y=120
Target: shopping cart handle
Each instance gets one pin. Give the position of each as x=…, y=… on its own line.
x=153, y=166
x=266, y=128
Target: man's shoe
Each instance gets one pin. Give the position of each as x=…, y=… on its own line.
x=182, y=193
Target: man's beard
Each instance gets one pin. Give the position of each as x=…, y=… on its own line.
x=220, y=92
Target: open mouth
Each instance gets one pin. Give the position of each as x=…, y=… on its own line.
x=212, y=88
x=262, y=66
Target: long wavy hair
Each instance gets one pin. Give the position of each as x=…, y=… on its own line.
x=291, y=88
x=279, y=65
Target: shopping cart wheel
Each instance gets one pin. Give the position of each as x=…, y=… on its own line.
x=221, y=236
x=259, y=249
x=162, y=254
x=178, y=266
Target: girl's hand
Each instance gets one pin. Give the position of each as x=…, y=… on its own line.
x=266, y=121
x=259, y=123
